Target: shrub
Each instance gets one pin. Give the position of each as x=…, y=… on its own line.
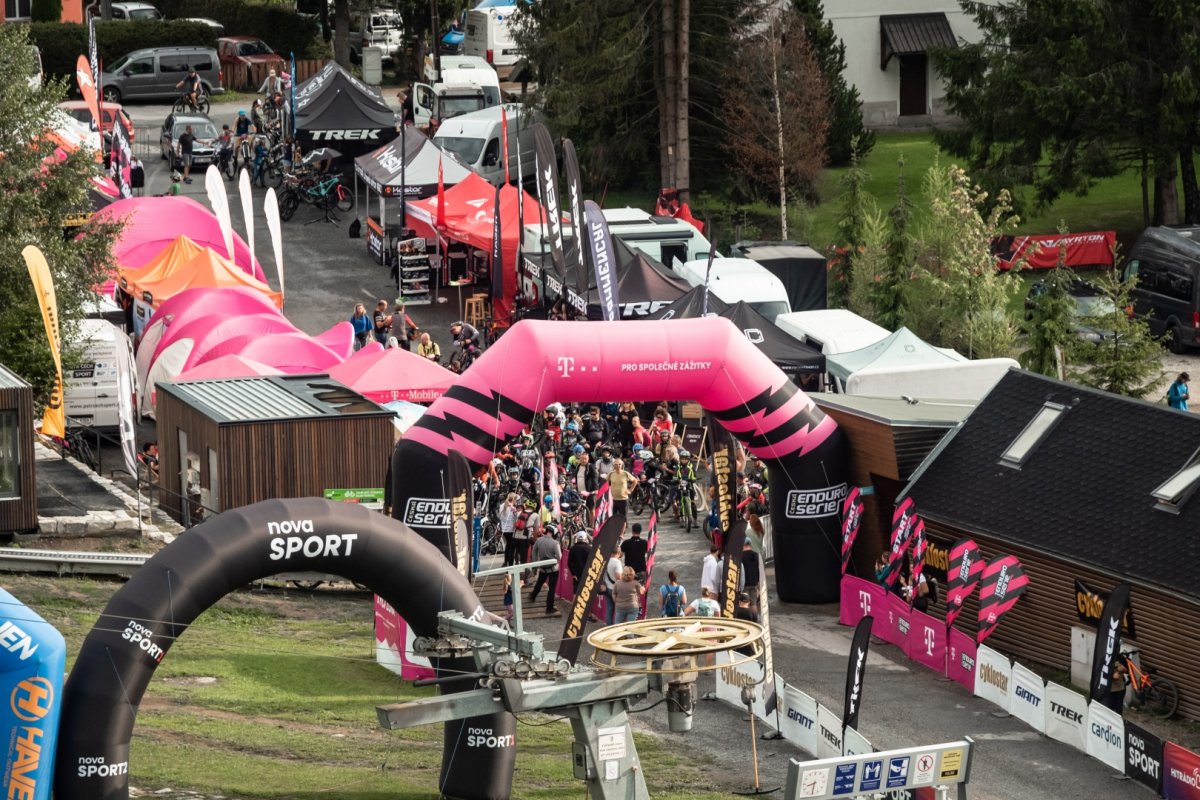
x=62, y=43
x=45, y=11
x=277, y=25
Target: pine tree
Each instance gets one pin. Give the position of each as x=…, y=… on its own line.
x=1051, y=336
x=893, y=287
x=1128, y=359
x=856, y=203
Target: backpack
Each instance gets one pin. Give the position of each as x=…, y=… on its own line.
x=671, y=603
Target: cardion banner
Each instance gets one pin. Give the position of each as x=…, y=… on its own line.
x=149, y=613
x=707, y=360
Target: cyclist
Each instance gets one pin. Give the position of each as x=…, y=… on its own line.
x=262, y=146
x=191, y=87
x=464, y=335
x=685, y=477
x=272, y=85
x=241, y=126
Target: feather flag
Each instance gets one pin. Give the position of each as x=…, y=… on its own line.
x=271, y=210
x=247, y=209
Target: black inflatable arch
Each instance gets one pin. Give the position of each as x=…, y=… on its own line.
x=144, y=618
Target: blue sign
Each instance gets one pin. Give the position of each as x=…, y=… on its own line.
x=872, y=776
x=843, y=778
x=897, y=772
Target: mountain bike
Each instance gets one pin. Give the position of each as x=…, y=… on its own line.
x=685, y=504
x=184, y=103
x=1156, y=694
x=649, y=493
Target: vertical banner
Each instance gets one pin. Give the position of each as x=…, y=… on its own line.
x=497, y=273
x=1027, y=698
x=54, y=422
x=602, y=547
x=604, y=262
x=603, y=508
x=966, y=565
x=93, y=50
x=1108, y=641
x=770, y=697
x=712, y=254
x=918, y=558
x=1001, y=585
x=960, y=659
x=724, y=476
x=1066, y=716
x=292, y=95
x=218, y=198
x=1144, y=758
x=120, y=159
x=651, y=547
x=247, y=210
x=855, y=744
x=731, y=567
x=275, y=229
x=126, y=404
x=1106, y=740
x=87, y=87
x=1181, y=773
x=852, y=511
x=578, y=253
x=504, y=143
x=440, y=221
x=458, y=491
x=547, y=179
x=856, y=668
x=903, y=520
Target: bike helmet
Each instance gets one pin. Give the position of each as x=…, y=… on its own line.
x=241, y=112
x=531, y=504
x=548, y=500
x=551, y=530
x=573, y=426
x=458, y=323
x=645, y=455
x=684, y=453
x=636, y=447
x=176, y=176
x=577, y=449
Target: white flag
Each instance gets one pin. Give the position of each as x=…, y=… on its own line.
x=247, y=212
x=125, y=391
x=271, y=210
x=218, y=198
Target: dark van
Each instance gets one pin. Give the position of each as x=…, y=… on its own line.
x=1166, y=264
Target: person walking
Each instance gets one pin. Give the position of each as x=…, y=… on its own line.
x=705, y=606
x=1177, y=395
x=710, y=573
x=634, y=549
x=751, y=571
x=362, y=326
x=627, y=596
x=383, y=322
x=612, y=573
x=508, y=523
x=672, y=598
x=577, y=557
x=186, y=140
x=620, y=484
x=546, y=547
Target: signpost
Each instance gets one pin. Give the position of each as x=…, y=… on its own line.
x=888, y=772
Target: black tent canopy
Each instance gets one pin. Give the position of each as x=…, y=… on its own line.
x=801, y=268
x=335, y=109
x=643, y=285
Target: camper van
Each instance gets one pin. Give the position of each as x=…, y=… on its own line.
x=665, y=239
x=1165, y=263
x=90, y=389
x=734, y=280
x=475, y=139
x=489, y=36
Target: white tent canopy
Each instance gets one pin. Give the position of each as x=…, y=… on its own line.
x=902, y=349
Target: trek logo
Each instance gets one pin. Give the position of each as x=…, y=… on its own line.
x=1027, y=696
x=17, y=641
x=1068, y=714
x=642, y=308
x=864, y=602
x=95, y=767
x=755, y=335
x=856, y=687
x=289, y=540
x=1106, y=732
x=554, y=221
x=803, y=720
x=32, y=699
x=994, y=677
x=137, y=634
x=431, y=512
x=832, y=738
x=814, y=503
x=1110, y=644
x=346, y=136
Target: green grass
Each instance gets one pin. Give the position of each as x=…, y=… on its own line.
x=291, y=710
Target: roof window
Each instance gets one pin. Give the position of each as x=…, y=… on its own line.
x=1038, y=428
x=1175, y=490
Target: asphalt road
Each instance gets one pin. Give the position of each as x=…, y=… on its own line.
x=327, y=273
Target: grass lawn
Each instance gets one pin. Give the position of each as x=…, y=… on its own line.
x=272, y=695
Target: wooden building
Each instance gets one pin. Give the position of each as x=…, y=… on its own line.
x=1080, y=485
x=228, y=443
x=888, y=439
x=18, y=479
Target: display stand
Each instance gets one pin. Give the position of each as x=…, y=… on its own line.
x=415, y=274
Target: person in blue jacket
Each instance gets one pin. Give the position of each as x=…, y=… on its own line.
x=362, y=325
x=1177, y=395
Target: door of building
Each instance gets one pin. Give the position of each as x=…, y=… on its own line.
x=914, y=85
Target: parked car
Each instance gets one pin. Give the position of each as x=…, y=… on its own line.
x=109, y=112
x=1090, y=302
x=204, y=149
x=135, y=11
x=1166, y=265
x=152, y=74
x=382, y=28
x=217, y=28
x=247, y=50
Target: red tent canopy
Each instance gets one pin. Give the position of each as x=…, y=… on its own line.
x=469, y=218
x=394, y=374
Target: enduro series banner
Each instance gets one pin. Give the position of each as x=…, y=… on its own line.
x=602, y=546
x=1108, y=641
x=903, y=520
x=1002, y=584
x=852, y=511
x=966, y=565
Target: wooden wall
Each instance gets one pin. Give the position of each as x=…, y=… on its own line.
x=174, y=415
x=20, y=514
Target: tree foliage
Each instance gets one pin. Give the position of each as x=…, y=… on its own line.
x=855, y=203
x=1128, y=360
x=892, y=289
x=1050, y=336
x=37, y=194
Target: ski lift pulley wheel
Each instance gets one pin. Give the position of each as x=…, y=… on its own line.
x=674, y=644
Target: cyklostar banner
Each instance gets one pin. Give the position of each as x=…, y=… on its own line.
x=1144, y=757
x=829, y=733
x=1106, y=736
x=966, y=565
x=1027, y=698
x=603, y=545
x=799, y=719
x=731, y=679
x=1181, y=773
x=1066, y=716
x=960, y=658
x=852, y=512
x=1089, y=603
x=993, y=676
x=860, y=598
x=927, y=641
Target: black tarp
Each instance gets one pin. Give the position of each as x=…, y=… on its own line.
x=795, y=358
x=801, y=268
x=381, y=169
x=643, y=285
x=333, y=109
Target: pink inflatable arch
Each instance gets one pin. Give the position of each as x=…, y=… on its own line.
x=706, y=360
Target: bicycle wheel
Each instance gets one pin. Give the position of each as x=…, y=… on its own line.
x=231, y=167
x=488, y=536
x=203, y=104
x=273, y=174
x=288, y=205
x=686, y=509
x=345, y=198
x=180, y=106
x=637, y=500
x=1162, y=698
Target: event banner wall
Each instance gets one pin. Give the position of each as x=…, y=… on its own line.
x=1106, y=736
x=927, y=641
x=1144, y=757
x=730, y=681
x=1066, y=716
x=1181, y=773
x=829, y=733
x=1027, y=698
x=861, y=598
x=394, y=644
x=992, y=676
x=897, y=622
x=855, y=744
x=960, y=658
x=798, y=722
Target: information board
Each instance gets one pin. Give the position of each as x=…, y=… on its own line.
x=887, y=771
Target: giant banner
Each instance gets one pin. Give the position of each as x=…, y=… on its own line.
x=1181, y=773
x=960, y=658
x=993, y=674
x=1106, y=736
x=1144, y=757
x=799, y=719
x=1066, y=716
x=927, y=641
x=1027, y=698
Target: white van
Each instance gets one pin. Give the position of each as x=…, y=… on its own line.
x=90, y=391
x=734, y=280
x=665, y=239
x=489, y=36
x=475, y=139
x=465, y=71
x=832, y=330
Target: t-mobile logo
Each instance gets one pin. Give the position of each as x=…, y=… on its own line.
x=930, y=639
x=864, y=602
x=565, y=365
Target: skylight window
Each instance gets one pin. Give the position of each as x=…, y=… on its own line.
x=1027, y=441
x=1175, y=491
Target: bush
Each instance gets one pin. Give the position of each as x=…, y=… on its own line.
x=45, y=11
x=62, y=43
x=277, y=25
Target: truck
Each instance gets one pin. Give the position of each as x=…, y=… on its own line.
x=467, y=84
x=475, y=138
x=382, y=28
x=90, y=389
x=465, y=70
x=489, y=36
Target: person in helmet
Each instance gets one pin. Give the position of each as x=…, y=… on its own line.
x=604, y=461
x=464, y=334
x=176, y=183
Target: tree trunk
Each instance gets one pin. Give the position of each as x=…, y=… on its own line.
x=660, y=95
x=671, y=87
x=778, y=109
x=323, y=16
x=105, y=10
x=1191, y=193
x=683, y=150
x=1166, y=200
x=341, y=32
x=1145, y=190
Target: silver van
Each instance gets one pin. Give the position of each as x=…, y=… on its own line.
x=151, y=74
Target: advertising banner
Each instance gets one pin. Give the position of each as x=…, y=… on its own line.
x=496, y=271
x=1001, y=585
x=771, y=699
x=927, y=641
x=120, y=158
x=960, y=658
x=965, y=567
x=578, y=253
x=54, y=421
x=394, y=644
x=861, y=598
x=547, y=181
x=602, y=546
x=852, y=511
x=724, y=464
x=903, y=520
x=275, y=230
x=1108, y=641
x=731, y=567
x=458, y=489
x=1027, y=698
x=1106, y=737
x=1144, y=757
x=897, y=627
x=1089, y=603
x=829, y=733
x=856, y=667
x=651, y=549
x=1066, y=716
x=993, y=674
x=731, y=679
x=799, y=719
x=1181, y=773
x=1087, y=249
x=855, y=744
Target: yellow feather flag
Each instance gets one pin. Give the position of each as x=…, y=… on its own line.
x=54, y=419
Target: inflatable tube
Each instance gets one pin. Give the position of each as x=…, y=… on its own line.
x=143, y=619
x=707, y=360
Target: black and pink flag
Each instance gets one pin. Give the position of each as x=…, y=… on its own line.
x=966, y=565
x=603, y=508
x=1002, y=584
x=852, y=511
x=918, y=556
x=903, y=520
x=651, y=546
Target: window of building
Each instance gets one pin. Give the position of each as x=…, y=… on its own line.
x=1034, y=433
x=10, y=456
x=1175, y=490
x=18, y=9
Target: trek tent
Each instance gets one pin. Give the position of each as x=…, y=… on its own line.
x=334, y=109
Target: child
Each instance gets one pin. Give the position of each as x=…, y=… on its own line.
x=176, y=187
x=508, y=596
